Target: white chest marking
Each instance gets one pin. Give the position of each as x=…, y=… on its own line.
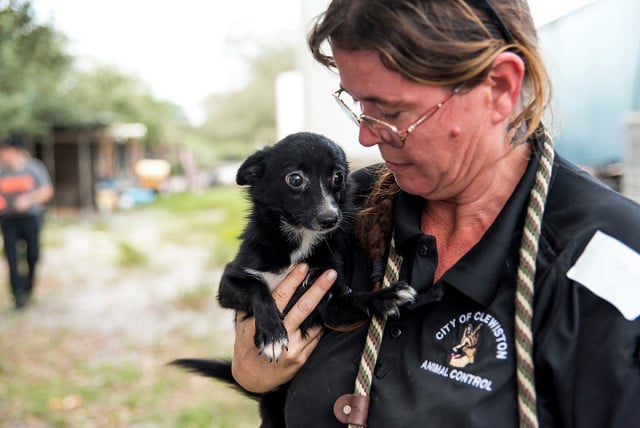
x=271, y=279
x=308, y=240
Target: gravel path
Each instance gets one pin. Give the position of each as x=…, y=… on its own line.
x=81, y=285
x=92, y=315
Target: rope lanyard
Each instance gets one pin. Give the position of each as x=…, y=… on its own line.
x=524, y=291
x=376, y=329
x=523, y=303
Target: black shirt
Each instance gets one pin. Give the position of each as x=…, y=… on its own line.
x=449, y=360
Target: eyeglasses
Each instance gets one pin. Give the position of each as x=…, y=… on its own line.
x=387, y=132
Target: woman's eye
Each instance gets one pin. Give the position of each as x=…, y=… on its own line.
x=389, y=117
x=295, y=180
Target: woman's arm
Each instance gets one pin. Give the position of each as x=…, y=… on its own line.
x=41, y=195
x=254, y=372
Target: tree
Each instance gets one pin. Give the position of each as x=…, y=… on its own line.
x=40, y=87
x=241, y=119
x=105, y=95
x=32, y=64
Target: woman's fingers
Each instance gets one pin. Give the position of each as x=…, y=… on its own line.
x=309, y=300
x=285, y=290
x=253, y=371
x=302, y=308
x=314, y=335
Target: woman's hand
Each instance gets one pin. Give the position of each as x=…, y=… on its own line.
x=254, y=372
x=23, y=202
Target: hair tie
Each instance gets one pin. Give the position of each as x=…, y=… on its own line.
x=378, y=271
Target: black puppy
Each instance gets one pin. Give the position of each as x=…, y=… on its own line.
x=301, y=212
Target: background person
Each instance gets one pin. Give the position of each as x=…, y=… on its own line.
x=452, y=94
x=25, y=187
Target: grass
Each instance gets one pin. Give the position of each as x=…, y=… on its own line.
x=130, y=256
x=195, y=298
x=229, y=198
x=215, y=217
x=118, y=393
x=58, y=375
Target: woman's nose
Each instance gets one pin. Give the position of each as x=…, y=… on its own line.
x=367, y=137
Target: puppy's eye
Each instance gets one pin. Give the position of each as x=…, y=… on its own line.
x=338, y=179
x=295, y=180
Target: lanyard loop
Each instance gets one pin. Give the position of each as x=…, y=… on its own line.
x=525, y=372
x=358, y=418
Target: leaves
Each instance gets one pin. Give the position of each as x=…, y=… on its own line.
x=32, y=63
x=247, y=116
x=41, y=87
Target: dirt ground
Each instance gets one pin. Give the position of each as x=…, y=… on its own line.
x=91, y=350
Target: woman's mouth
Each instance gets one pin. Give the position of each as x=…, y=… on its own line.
x=396, y=167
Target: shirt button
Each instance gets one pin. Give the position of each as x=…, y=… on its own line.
x=381, y=370
x=423, y=250
x=395, y=332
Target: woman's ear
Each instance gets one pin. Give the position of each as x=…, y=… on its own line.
x=505, y=80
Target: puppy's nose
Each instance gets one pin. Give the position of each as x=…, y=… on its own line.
x=327, y=219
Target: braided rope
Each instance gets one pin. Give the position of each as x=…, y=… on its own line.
x=524, y=291
x=376, y=329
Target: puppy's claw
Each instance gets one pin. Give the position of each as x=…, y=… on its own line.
x=393, y=313
x=391, y=299
x=404, y=295
x=273, y=350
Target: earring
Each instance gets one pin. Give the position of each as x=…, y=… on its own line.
x=519, y=133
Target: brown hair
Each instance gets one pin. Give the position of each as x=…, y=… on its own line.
x=437, y=42
x=373, y=225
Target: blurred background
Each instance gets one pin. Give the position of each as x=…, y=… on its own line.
x=142, y=111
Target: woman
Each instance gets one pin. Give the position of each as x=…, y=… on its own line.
x=511, y=324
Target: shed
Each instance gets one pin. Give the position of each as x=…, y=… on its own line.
x=80, y=158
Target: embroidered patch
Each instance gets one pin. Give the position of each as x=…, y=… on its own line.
x=468, y=330
x=611, y=270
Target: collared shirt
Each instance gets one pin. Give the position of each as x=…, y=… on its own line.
x=449, y=359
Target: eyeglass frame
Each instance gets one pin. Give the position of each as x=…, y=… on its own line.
x=370, y=120
x=502, y=27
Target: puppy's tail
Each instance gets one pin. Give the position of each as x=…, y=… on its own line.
x=217, y=369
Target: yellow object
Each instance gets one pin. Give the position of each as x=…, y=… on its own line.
x=152, y=173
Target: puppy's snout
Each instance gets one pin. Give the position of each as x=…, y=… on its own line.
x=327, y=219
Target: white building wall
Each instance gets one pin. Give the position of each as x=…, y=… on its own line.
x=631, y=164
x=305, y=102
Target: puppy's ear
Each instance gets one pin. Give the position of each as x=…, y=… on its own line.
x=252, y=168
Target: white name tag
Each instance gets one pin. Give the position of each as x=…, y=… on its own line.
x=611, y=270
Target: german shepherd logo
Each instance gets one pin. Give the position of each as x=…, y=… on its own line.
x=464, y=353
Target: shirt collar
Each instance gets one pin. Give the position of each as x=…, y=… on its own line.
x=407, y=219
x=478, y=274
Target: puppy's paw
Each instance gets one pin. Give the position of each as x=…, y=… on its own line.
x=388, y=301
x=273, y=350
x=270, y=342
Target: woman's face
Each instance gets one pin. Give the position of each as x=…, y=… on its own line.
x=7, y=156
x=444, y=154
